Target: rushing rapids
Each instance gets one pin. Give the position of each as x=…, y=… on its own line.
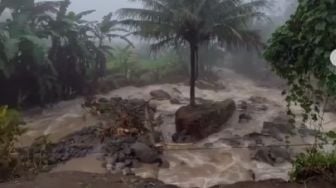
x=228, y=156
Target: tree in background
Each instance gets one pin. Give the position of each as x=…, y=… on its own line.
x=105, y=31
x=25, y=69
x=194, y=22
x=124, y=61
x=48, y=53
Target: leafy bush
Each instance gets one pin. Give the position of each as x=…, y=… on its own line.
x=17, y=162
x=314, y=164
x=9, y=131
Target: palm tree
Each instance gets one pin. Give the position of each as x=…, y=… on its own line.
x=194, y=22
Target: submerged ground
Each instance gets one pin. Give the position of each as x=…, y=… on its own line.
x=232, y=161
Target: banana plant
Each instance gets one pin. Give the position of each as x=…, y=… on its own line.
x=106, y=31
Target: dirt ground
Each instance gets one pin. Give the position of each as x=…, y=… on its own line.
x=85, y=180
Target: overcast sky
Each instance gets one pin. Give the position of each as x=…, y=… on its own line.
x=102, y=7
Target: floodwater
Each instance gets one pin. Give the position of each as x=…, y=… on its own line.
x=188, y=168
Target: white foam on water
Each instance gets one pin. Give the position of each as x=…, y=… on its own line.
x=187, y=168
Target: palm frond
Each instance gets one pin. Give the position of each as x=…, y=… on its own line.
x=80, y=15
x=163, y=43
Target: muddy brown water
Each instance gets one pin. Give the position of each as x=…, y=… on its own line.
x=187, y=168
x=89, y=180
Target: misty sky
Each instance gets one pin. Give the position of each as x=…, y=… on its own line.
x=102, y=7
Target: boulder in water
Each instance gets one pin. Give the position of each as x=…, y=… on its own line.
x=273, y=155
x=206, y=85
x=244, y=118
x=160, y=95
x=144, y=153
x=194, y=123
x=175, y=101
x=278, y=128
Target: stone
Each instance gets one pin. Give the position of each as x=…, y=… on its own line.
x=233, y=142
x=144, y=153
x=174, y=101
x=158, y=138
x=177, y=91
x=304, y=131
x=76, y=145
x=119, y=166
x=262, y=107
x=244, y=118
x=103, y=100
x=256, y=138
x=128, y=163
x=278, y=128
x=136, y=164
x=182, y=137
x=194, y=123
x=205, y=85
x=258, y=100
x=127, y=172
x=273, y=155
x=208, y=145
x=160, y=95
x=242, y=105
x=164, y=163
x=330, y=106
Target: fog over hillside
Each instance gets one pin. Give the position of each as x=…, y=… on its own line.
x=103, y=7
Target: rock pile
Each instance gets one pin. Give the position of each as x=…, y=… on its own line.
x=122, y=138
x=124, y=154
x=122, y=116
x=75, y=145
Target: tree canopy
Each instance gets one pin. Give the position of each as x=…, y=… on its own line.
x=195, y=22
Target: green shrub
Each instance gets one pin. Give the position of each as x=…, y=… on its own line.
x=9, y=131
x=314, y=164
x=35, y=159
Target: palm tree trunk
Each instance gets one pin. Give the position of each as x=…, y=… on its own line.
x=193, y=52
x=197, y=65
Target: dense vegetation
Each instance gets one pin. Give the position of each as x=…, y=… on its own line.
x=299, y=52
x=171, y=23
x=49, y=53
